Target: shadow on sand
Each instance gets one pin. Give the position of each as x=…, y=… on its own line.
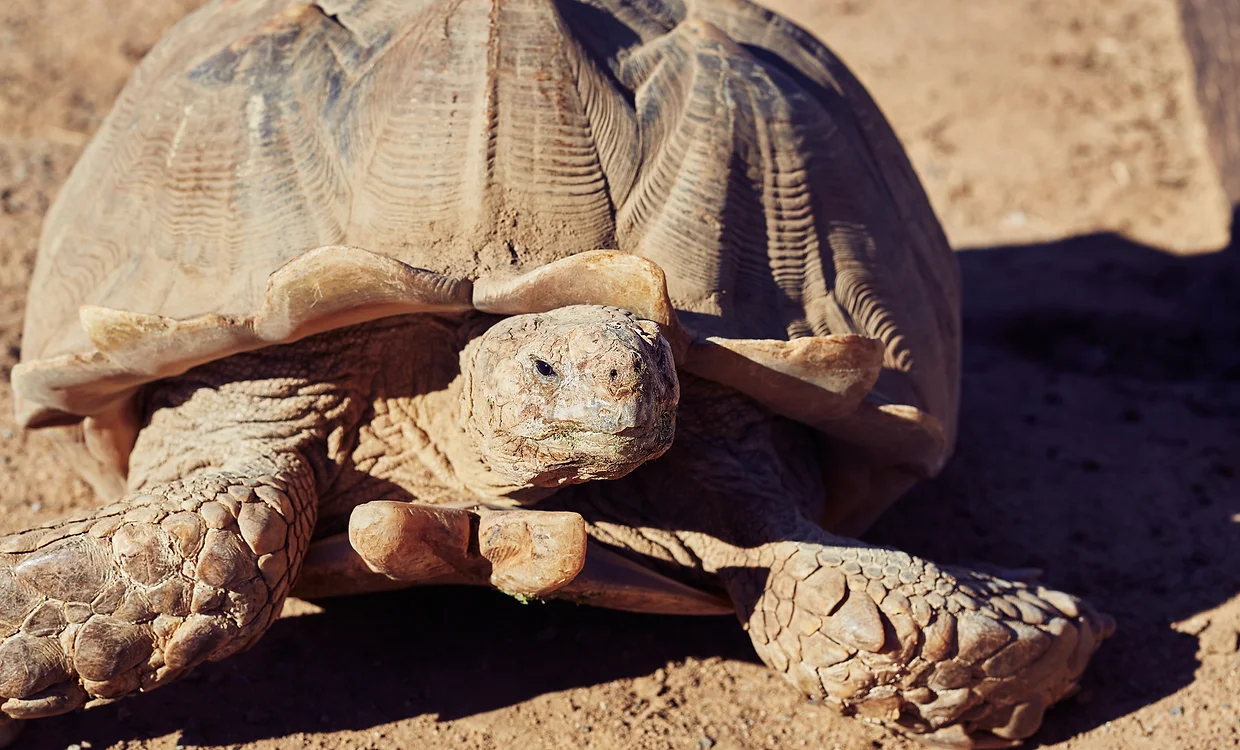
x=1101, y=420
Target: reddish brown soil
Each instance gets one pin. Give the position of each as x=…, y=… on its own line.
x=1100, y=436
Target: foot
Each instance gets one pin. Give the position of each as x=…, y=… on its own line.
x=958, y=657
x=134, y=595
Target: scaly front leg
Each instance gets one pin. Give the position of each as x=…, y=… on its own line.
x=957, y=656
x=134, y=595
x=194, y=562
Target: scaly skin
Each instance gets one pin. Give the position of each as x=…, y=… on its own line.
x=193, y=563
x=961, y=657
x=134, y=595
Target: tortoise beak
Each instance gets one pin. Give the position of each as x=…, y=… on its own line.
x=598, y=415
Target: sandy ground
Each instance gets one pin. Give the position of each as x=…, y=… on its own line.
x=1101, y=421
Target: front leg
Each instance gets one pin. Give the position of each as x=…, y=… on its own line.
x=956, y=656
x=962, y=657
x=134, y=595
x=194, y=562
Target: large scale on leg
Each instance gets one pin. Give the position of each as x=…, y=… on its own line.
x=471, y=263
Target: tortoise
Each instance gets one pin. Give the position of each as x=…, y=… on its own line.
x=631, y=303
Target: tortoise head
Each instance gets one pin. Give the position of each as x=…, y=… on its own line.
x=572, y=395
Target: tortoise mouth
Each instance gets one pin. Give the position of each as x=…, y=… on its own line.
x=554, y=454
x=549, y=430
x=573, y=453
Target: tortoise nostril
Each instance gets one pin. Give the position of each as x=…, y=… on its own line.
x=614, y=375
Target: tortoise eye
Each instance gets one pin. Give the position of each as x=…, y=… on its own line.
x=544, y=369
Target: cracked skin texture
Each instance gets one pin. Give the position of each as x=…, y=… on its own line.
x=949, y=653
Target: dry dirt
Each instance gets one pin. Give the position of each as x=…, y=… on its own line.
x=1101, y=423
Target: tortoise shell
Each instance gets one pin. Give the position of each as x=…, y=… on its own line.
x=477, y=137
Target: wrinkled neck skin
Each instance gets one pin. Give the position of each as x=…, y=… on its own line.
x=377, y=409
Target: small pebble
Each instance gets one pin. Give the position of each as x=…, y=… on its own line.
x=1176, y=711
x=705, y=743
